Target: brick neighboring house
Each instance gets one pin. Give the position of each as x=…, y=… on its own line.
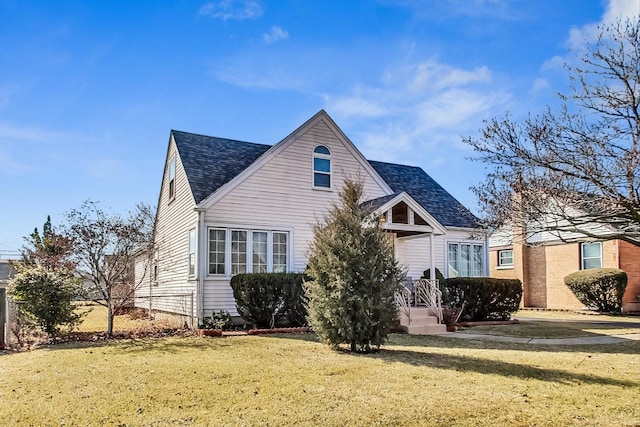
x=542, y=264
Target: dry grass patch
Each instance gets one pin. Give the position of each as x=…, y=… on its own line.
x=575, y=315
x=293, y=380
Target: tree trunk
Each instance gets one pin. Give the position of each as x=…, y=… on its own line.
x=109, y=319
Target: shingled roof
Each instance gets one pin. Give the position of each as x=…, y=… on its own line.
x=211, y=162
x=424, y=190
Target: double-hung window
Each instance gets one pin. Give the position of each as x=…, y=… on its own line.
x=321, y=167
x=234, y=251
x=505, y=258
x=590, y=255
x=465, y=259
x=217, y=251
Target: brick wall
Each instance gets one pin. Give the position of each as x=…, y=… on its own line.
x=535, y=277
x=630, y=262
x=561, y=260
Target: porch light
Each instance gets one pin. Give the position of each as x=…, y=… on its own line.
x=383, y=218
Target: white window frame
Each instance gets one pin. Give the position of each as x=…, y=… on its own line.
x=249, y=252
x=191, y=254
x=172, y=178
x=471, y=245
x=502, y=264
x=583, y=258
x=227, y=250
x=314, y=172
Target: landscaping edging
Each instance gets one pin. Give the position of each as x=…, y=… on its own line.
x=488, y=323
x=221, y=333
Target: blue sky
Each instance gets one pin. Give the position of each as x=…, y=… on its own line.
x=89, y=90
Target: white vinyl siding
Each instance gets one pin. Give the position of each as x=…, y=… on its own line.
x=590, y=255
x=170, y=284
x=278, y=197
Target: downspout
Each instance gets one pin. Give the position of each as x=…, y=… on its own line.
x=201, y=265
x=485, y=267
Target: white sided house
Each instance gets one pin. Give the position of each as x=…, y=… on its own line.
x=228, y=207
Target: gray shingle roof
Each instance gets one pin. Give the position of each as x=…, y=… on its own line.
x=211, y=162
x=424, y=190
x=374, y=204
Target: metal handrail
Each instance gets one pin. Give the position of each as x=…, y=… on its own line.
x=428, y=294
x=403, y=301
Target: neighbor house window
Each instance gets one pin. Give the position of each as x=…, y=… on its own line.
x=248, y=251
x=591, y=255
x=321, y=167
x=192, y=252
x=172, y=178
x=465, y=259
x=217, y=251
x=505, y=258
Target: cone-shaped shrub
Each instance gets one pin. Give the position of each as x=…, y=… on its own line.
x=353, y=276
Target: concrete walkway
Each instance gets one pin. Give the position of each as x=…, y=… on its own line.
x=633, y=335
x=602, y=339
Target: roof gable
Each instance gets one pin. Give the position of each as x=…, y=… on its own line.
x=427, y=192
x=211, y=162
x=273, y=151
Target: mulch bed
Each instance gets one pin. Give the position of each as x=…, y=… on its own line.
x=488, y=323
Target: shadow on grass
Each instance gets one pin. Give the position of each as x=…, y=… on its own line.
x=494, y=367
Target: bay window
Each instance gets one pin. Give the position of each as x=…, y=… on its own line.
x=247, y=251
x=465, y=259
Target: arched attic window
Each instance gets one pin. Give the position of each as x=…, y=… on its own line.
x=321, y=167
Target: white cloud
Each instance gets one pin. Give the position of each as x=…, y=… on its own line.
x=539, y=85
x=417, y=109
x=232, y=9
x=614, y=11
x=275, y=34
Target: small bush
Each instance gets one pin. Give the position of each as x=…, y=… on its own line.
x=487, y=298
x=267, y=298
x=599, y=288
x=218, y=320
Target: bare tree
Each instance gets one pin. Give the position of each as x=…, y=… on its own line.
x=574, y=170
x=106, y=247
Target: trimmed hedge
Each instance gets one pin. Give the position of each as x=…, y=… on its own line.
x=487, y=298
x=599, y=288
x=267, y=299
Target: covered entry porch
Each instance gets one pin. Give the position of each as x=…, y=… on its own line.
x=413, y=232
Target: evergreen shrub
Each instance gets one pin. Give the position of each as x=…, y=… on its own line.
x=269, y=298
x=487, y=298
x=599, y=288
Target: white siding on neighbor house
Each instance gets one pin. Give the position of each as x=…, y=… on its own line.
x=173, y=221
x=280, y=196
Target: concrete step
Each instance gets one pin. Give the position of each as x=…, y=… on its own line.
x=426, y=329
x=418, y=320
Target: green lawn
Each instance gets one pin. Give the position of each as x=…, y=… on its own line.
x=293, y=380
